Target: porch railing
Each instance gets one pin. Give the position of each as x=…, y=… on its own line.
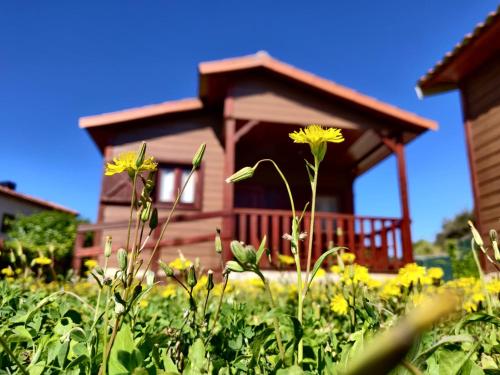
x=376, y=241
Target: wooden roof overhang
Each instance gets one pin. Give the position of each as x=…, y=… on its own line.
x=369, y=119
x=42, y=203
x=365, y=119
x=467, y=55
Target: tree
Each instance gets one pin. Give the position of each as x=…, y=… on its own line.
x=44, y=232
x=455, y=228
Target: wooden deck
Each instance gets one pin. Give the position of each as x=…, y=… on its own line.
x=376, y=241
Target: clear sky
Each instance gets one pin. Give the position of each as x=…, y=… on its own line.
x=60, y=60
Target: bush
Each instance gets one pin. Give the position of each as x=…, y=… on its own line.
x=44, y=233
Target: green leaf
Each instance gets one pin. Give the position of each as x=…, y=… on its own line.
x=261, y=249
x=121, y=359
x=443, y=341
x=196, y=358
x=62, y=353
x=169, y=365
x=294, y=370
x=320, y=260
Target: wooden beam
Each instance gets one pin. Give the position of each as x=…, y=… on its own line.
x=245, y=129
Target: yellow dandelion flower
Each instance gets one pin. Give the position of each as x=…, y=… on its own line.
x=478, y=297
x=335, y=269
x=286, y=259
x=348, y=258
x=390, y=289
x=169, y=291
x=91, y=264
x=42, y=261
x=127, y=162
x=143, y=303
x=435, y=273
x=7, y=271
x=180, y=264
x=470, y=306
x=373, y=283
x=320, y=273
x=493, y=286
x=339, y=305
x=317, y=138
x=410, y=274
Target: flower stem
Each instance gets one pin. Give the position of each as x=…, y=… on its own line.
x=275, y=319
x=314, y=186
x=11, y=354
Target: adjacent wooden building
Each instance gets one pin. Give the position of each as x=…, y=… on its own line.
x=245, y=108
x=473, y=68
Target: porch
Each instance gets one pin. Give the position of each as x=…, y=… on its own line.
x=376, y=241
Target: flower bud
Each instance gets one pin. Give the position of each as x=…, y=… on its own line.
x=210, y=280
x=198, y=157
x=477, y=237
x=242, y=174
x=153, y=221
x=191, y=277
x=243, y=254
x=141, y=155
x=233, y=266
x=146, y=212
x=122, y=259
x=12, y=257
x=169, y=272
x=119, y=307
x=107, y=247
x=494, y=244
x=150, y=278
x=218, y=242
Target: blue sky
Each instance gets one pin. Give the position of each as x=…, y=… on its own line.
x=60, y=60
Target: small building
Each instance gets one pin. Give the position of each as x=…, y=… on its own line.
x=13, y=203
x=245, y=108
x=473, y=68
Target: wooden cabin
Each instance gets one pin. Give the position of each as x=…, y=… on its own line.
x=473, y=68
x=245, y=108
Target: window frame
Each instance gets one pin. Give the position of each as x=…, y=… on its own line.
x=178, y=167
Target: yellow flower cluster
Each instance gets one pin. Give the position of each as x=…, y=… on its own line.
x=7, y=271
x=348, y=258
x=127, y=162
x=355, y=274
x=472, y=291
x=170, y=290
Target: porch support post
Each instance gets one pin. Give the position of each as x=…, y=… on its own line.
x=398, y=148
x=228, y=189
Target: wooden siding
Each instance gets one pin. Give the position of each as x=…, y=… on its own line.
x=176, y=141
x=481, y=99
x=271, y=100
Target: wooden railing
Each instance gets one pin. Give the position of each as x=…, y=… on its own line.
x=376, y=241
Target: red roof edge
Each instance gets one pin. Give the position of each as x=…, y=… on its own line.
x=37, y=201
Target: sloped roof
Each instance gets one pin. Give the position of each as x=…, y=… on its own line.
x=36, y=201
x=263, y=60
x=260, y=60
x=474, y=48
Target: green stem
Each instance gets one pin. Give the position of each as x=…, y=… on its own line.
x=10, y=353
x=314, y=186
x=481, y=279
x=217, y=312
x=132, y=205
x=275, y=320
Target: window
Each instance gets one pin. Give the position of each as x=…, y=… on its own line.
x=171, y=178
x=6, y=222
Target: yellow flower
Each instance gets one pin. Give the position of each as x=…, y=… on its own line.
x=339, y=305
x=478, y=297
x=335, y=269
x=180, y=264
x=169, y=291
x=435, y=273
x=42, y=261
x=470, y=306
x=493, y=286
x=7, y=271
x=410, y=274
x=127, y=162
x=286, y=259
x=91, y=263
x=390, y=289
x=348, y=258
x=317, y=138
x=143, y=303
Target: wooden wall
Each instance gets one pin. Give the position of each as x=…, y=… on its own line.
x=481, y=102
x=176, y=141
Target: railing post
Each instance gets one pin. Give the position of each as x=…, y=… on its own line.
x=228, y=189
x=77, y=261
